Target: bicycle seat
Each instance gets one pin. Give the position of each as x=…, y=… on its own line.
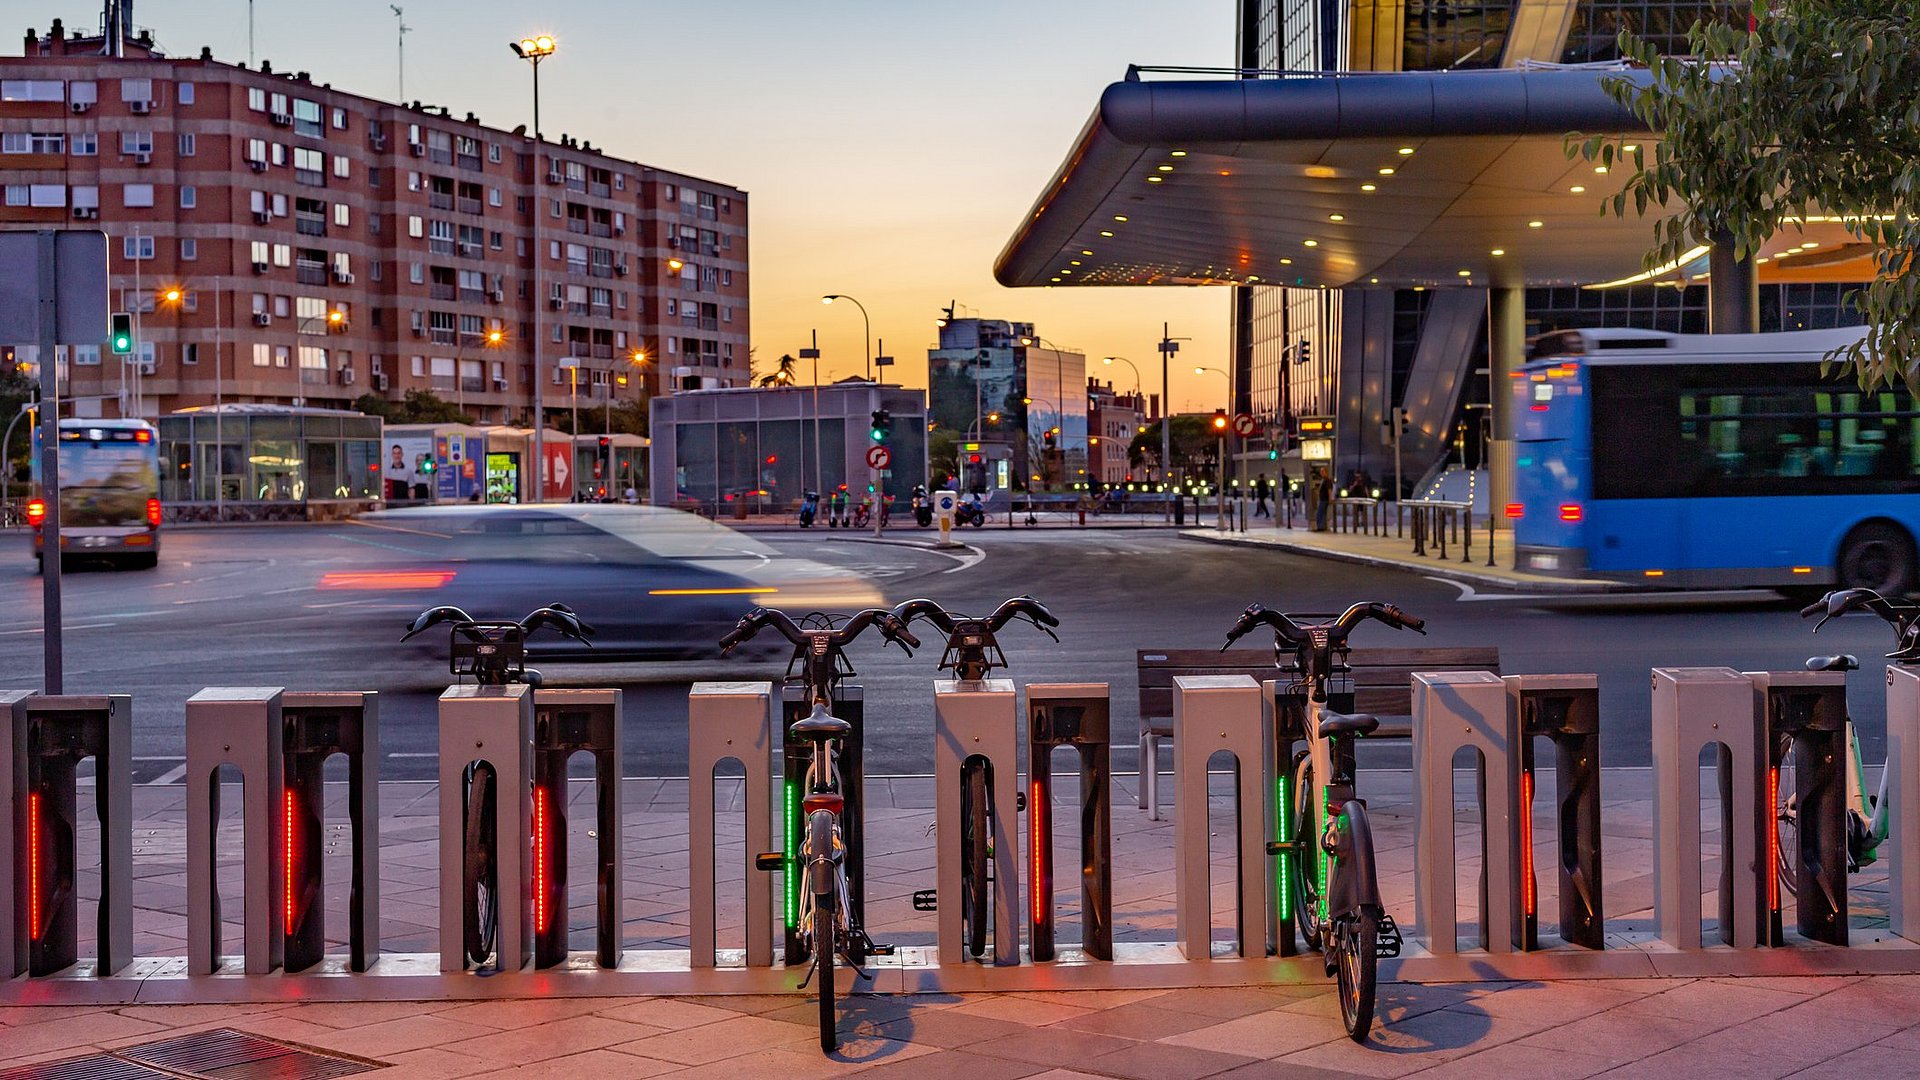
x=1333, y=723
x=1841, y=662
x=821, y=725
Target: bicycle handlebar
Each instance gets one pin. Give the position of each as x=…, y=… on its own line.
x=891, y=626
x=1902, y=616
x=1010, y=609
x=558, y=616
x=1294, y=634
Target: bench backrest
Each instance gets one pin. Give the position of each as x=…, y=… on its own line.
x=1382, y=678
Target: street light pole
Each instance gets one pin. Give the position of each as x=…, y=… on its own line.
x=865, y=325
x=819, y=474
x=533, y=50
x=1168, y=347
x=1220, y=480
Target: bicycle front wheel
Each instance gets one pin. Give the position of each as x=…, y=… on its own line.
x=479, y=899
x=825, y=926
x=1356, y=938
x=1786, y=820
x=973, y=869
x=1306, y=879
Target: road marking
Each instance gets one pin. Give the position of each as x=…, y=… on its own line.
x=170, y=776
x=282, y=592
x=158, y=757
x=1469, y=594
x=973, y=557
x=398, y=754
x=69, y=626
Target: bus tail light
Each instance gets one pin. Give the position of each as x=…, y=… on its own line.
x=1516, y=511
x=153, y=513
x=36, y=512
x=1571, y=512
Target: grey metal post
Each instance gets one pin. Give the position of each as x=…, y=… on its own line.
x=1903, y=800
x=1694, y=708
x=492, y=724
x=238, y=726
x=977, y=719
x=730, y=720
x=50, y=620
x=1733, y=295
x=1455, y=709
x=1213, y=713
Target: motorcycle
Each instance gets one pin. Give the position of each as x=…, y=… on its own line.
x=809, y=507
x=971, y=513
x=922, y=507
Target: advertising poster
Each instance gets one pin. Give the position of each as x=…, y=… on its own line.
x=407, y=467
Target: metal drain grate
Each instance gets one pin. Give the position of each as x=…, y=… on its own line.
x=91, y=1067
x=226, y=1054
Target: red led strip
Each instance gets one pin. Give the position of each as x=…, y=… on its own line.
x=1773, y=840
x=540, y=869
x=1040, y=828
x=1528, y=886
x=33, y=865
x=286, y=862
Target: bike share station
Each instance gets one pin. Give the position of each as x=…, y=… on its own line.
x=1482, y=743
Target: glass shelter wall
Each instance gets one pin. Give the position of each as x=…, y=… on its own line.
x=290, y=456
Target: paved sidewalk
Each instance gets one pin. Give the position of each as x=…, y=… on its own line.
x=1460, y=564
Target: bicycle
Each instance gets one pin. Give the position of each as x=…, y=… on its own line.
x=1867, y=823
x=825, y=914
x=972, y=653
x=494, y=654
x=1336, y=897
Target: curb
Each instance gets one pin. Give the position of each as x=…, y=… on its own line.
x=1450, y=571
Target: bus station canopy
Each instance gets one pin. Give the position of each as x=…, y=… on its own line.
x=1386, y=179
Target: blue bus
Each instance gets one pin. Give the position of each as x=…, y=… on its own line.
x=109, y=493
x=1712, y=460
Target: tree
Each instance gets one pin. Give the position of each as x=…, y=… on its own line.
x=1192, y=443
x=417, y=407
x=780, y=376
x=1816, y=110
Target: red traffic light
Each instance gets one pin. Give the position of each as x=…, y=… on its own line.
x=1220, y=420
x=973, y=459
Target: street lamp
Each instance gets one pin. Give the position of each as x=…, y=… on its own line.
x=864, y=324
x=491, y=340
x=533, y=50
x=1220, y=480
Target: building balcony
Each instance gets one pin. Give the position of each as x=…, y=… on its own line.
x=310, y=273
x=315, y=377
x=438, y=201
x=469, y=206
x=442, y=292
x=310, y=226
x=441, y=335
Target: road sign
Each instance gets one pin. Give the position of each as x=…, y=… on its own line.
x=878, y=457
x=1242, y=425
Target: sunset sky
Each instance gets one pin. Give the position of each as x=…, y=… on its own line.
x=888, y=146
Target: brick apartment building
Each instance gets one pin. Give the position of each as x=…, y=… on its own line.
x=323, y=244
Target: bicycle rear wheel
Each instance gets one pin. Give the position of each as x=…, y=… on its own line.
x=1786, y=821
x=480, y=880
x=825, y=924
x=1356, y=938
x=977, y=825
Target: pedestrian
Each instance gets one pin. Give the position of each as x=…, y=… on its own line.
x=1323, y=513
x=1261, y=491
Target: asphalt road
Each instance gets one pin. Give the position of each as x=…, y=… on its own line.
x=237, y=607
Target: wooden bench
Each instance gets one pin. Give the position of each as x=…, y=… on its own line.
x=1382, y=685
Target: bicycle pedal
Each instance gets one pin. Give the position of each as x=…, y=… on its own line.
x=770, y=860
x=926, y=900
x=880, y=950
x=1387, y=942
x=1284, y=847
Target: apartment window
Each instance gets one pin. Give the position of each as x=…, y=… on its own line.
x=467, y=150
x=262, y=254
x=189, y=197
x=257, y=150
x=619, y=181
x=439, y=147
x=440, y=237
x=377, y=276
x=340, y=214
x=86, y=355
x=283, y=254
x=189, y=249
x=185, y=93
x=136, y=89
x=726, y=277
x=339, y=119
x=86, y=195
x=36, y=195
x=277, y=153
x=280, y=307
x=309, y=167
x=667, y=192
x=493, y=196
x=262, y=354
x=416, y=273
x=136, y=142
x=136, y=195
x=137, y=247
x=415, y=228
x=83, y=92
x=85, y=143
x=342, y=166
x=187, y=144
x=256, y=99
x=33, y=142
x=190, y=353
x=32, y=90
x=278, y=102
x=493, y=155
x=494, y=240
x=419, y=367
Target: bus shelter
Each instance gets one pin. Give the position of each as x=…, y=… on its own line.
x=257, y=462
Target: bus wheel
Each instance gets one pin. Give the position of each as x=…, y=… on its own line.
x=1877, y=556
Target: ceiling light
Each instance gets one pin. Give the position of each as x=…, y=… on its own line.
x=1056, y=279
x=1179, y=153
x=1069, y=271
x=1762, y=259
x=1311, y=243
x=1577, y=189
x=1497, y=252
x=1286, y=262
x=1084, y=251
x=1105, y=233
x=1535, y=224
x=1336, y=217
x=1811, y=244
x=1166, y=168
x=1600, y=168
x=1253, y=277
x=1367, y=187
x=1406, y=151
x=1224, y=172
x=1119, y=217
x=1466, y=273
x=1153, y=179
x=1075, y=262
x=1373, y=281
x=1630, y=147
x=1386, y=170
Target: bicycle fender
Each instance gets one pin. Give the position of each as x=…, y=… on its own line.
x=1360, y=886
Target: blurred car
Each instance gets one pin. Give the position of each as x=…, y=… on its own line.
x=655, y=583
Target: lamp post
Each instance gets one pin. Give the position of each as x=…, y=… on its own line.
x=1168, y=346
x=819, y=473
x=1108, y=361
x=1225, y=436
x=865, y=325
x=492, y=340
x=533, y=50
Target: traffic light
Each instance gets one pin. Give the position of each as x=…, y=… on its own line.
x=1220, y=422
x=605, y=442
x=882, y=425
x=1052, y=437
x=428, y=465
x=122, y=337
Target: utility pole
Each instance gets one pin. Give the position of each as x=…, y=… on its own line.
x=400, y=18
x=1168, y=346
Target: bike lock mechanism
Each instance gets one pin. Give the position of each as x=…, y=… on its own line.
x=49, y=737
x=1807, y=712
x=566, y=722
x=1565, y=709
x=1076, y=715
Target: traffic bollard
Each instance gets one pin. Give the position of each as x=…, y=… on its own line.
x=1693, y=709
x=236, y=726
x=492, y=725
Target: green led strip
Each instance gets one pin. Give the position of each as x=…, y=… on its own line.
x=788, y=878
x=1326, y=814
x=1283, y=867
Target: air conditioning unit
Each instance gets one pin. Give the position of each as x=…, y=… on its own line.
x=555, y=177
x=620, y=268
x=263, y=217
x=417, y=149
x=259, y=268
x=619, y=230
x=419, y=331
x=499, y=296
x=256, y=165
x=341, y=277
x=143, y=159
x=140, y=108
x=146, y=367
x=261, y=318
x=86, y=213
x=281, y=119
x=500, y=384
x=557, y=304
x=673, y=241
x=346, y=376
x=82, y=106
x=380, y=381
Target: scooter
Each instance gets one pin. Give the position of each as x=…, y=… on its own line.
x=970, y=513
x=809, y=506
x=837, y=509
x=922, y=507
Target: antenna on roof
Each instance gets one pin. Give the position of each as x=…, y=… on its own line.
x=249, y=33
x=399, y=17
